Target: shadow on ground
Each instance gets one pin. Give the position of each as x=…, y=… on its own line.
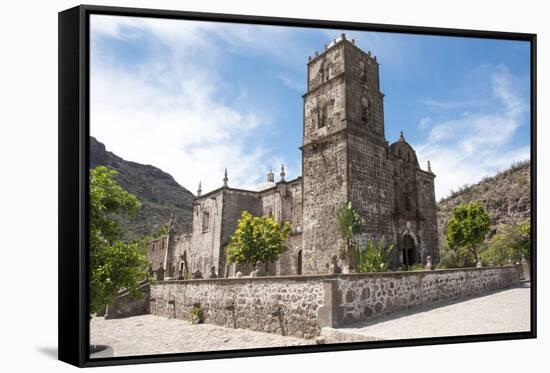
x=50, y=352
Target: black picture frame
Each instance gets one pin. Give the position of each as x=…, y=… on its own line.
x=73, y=182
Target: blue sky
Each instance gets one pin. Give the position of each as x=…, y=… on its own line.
x=193, y=98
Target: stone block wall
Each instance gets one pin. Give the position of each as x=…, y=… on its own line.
x=126, y=306
x=368, y=295
x=280, y=305
x=301, y=305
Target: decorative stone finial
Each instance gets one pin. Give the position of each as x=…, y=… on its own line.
x=401, y=137
x=199, y=191
x=353, y=41
x=309, y=58
x=282, y=172
x=343, y=36
x=316, y=53
x=326, y=46
x=369, y=53
x=270, y=176
x=430, y=167
x=225, y=179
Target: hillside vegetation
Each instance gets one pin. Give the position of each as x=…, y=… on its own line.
x=506, y=196
x=158, y=193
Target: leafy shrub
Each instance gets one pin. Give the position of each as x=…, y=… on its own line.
x=197, y=316
x=413, y=267
x=417, y=267
x=374, y=257
x=448, y=259
x=466, y=231
x=349, y=225
x=257, y=238
x=511, y=242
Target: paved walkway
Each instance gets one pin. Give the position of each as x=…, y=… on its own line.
x=499, y=312
x=148, y=334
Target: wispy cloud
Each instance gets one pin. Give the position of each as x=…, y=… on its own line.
x=424, y=122
x=168, y=110
x=435, y=104
x=465, y=147
x=292, y=83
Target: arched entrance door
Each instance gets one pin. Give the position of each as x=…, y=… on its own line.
x=409, y=254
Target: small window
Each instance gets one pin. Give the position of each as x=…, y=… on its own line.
x=364, y=114
x=324, y=71
x=205, y=221
x=407, y=201
x=323, y=113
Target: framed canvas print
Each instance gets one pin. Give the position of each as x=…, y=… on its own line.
x=232, y=186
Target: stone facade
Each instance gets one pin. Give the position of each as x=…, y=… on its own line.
x=301, y=305
x=345, y=157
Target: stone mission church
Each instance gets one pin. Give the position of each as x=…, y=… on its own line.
x=345, y=157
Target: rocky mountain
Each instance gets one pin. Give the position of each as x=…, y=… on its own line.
x=160, y=195
x=506, y=196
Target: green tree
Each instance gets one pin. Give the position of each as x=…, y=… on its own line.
x=114, y=264
x=374, y=257
x=511, y=242
x=350, y=224
x=466, y=230
x=257, y=238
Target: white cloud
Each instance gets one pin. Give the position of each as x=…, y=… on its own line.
x=168, y=111
x=292, y=83
x=424, y=122
x=473, y=144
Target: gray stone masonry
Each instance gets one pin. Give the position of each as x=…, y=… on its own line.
x=301, y=306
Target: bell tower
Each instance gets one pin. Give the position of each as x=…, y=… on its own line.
x=344, y=151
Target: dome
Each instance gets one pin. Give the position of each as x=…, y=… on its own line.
x=402, y=150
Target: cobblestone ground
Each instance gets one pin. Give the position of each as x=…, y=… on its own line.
x=500, y=312
x=148, y=334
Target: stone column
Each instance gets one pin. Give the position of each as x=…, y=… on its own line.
x=331, y=314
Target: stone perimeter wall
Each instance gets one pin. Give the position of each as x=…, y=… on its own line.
x=365, y=297
x=281, y=305
x=126, y=306
x=301, y=305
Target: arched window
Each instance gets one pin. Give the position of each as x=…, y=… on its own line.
x=406, y=201
x=323, y=114
x=363, y=74
x=299, y=263
x=324, y=71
